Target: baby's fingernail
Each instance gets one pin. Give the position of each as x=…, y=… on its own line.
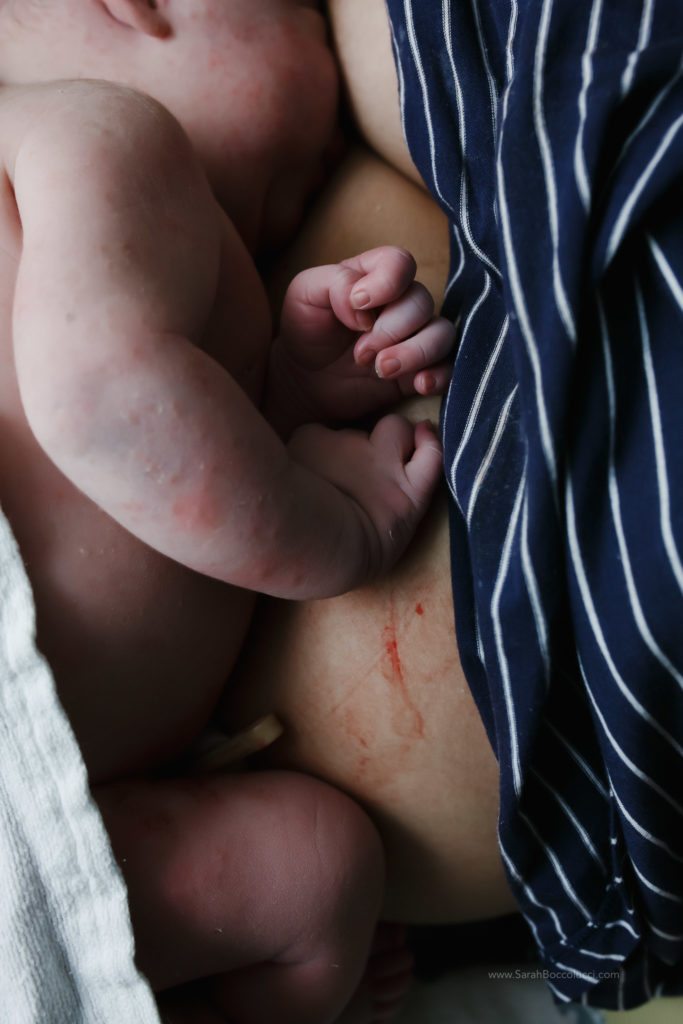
x=360, y=299
x=427, y=383
x=388, y=367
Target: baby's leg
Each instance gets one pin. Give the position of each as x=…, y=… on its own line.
x=268, y=883
x=384, y=987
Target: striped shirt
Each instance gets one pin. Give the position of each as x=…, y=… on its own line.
x=551, y=132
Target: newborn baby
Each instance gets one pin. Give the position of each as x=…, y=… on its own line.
x=147, y=490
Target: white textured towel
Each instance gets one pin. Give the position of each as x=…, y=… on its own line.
x=66, y=945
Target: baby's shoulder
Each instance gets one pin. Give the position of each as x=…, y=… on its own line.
x=86, y=123
x=90, y=154
x=52, y=110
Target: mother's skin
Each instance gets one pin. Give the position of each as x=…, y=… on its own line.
x=369, y=685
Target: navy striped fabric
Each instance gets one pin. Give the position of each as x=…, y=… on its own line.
x=551, y=131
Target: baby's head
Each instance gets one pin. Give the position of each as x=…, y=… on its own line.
x=253, y=82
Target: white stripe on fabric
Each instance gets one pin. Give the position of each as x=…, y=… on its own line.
x=651, y=111
x=557, y=868
x=547, y=162
x=481, y=653
x=658, y=438
x=618, y=957
x=594, y=621
x=579, y=974
x=580, y=170
x=622, y=924
x=622, y=222
x=625, y=759
x=462, y=133
x=522, y=313
x=461, y=253
x=663, y=893
x=401, y=80
x=483, y=50
x=643, y=40
x=498, y=635
x=642, y=831
x=615, y=502
x=561, y=996
x=529, y=893
x=481, y=388
x=664, y=935
x=581, y=831
x=666, y=271
x=583, y=764
x=489, y=456
x=419, y=67
x=509, y=52
x=534, y=595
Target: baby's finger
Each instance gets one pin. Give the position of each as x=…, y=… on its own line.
x=340, y=286
x=394, y=435
x=386, y=274
x=433, y=381
x=397, y=321
x=428, y=348
x=426, y=466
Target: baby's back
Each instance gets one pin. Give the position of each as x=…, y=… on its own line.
x=139, y=645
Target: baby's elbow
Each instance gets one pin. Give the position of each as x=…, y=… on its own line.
x=58, y=431
x=61, y=411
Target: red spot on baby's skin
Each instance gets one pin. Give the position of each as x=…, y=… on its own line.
x=419, y=610
x=407, y=720
x=351, y=725
x=391, y=647
x=191, y=513
x=185, y=511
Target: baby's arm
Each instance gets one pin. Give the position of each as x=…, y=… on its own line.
x=121, y=257
x=354, y=338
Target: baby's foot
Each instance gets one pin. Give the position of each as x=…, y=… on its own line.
x=378, y=999
x=387, y=979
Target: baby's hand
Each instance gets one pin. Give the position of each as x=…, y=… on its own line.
x=390, y=474
x=354, y=338
x=402, y=338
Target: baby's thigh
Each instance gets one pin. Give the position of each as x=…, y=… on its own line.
x=230, y=870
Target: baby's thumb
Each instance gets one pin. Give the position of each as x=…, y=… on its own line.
x=425, y=467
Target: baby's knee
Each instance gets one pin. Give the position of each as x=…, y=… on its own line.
x=349, y=845
x=340, y=863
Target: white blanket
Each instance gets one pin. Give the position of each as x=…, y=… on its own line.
x=66, y=945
